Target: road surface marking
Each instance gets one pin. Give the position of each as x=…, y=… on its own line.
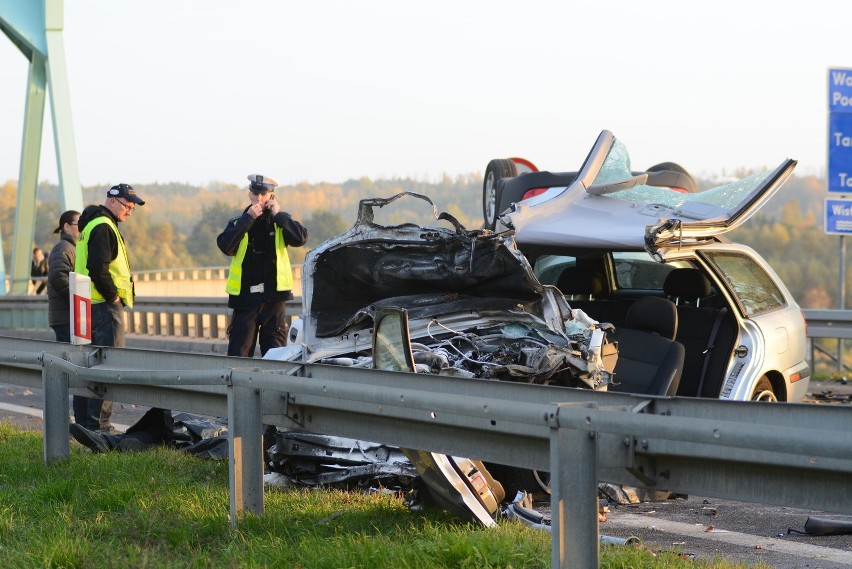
x=769, y=544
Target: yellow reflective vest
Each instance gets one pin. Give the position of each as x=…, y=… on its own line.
x=283, y=276
x=119, y=268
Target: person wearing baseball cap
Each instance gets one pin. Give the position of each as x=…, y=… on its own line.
x=102, y=256
x=260, y=279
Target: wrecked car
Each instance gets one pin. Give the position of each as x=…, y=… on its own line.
x=472, y=308
x=475, y=309
x=610, y=237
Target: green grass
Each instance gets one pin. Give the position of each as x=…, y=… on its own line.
x=161, y=509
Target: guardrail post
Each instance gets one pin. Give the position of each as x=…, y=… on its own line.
x=245, y=435
x=184, y=324
x=199, y=325
x=56, y=414
x=575, y=535
x=214, y=326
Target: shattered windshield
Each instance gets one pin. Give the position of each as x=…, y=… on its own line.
x=729, y=196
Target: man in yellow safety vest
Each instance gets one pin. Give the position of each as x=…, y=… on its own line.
x=102, y=255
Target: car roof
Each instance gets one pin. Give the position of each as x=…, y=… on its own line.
x=609, y=207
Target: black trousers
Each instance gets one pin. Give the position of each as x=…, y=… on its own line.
x=267, y=320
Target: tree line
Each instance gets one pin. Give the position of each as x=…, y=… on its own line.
x=178, y=225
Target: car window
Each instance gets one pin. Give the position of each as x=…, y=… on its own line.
x=639, y=271
x=754, y=288
x=548, y=267
x=725, y=199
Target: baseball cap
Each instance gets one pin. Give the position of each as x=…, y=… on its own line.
x=125, y=191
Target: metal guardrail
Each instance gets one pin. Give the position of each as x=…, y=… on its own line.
x=823, y=323
x=792, y=454
x=201, y=318
x=828, y=323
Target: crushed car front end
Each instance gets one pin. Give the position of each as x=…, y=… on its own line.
x=475, y=308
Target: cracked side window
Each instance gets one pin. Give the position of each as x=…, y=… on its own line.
x=754, y=288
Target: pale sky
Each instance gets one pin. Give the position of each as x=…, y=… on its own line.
x=198, y=91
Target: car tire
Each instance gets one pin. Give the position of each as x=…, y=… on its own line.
x=496, y=169
x=764, y=391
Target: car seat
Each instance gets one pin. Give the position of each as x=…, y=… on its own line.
x=650, y=361
x=581, y=286
x=707, y=333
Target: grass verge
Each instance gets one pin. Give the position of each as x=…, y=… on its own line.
x=164, y=509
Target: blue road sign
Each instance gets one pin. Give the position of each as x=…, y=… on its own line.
x=840, y=152
x=838, y=216
x=840, y=90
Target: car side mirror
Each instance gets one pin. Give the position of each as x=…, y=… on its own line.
x=391, y=341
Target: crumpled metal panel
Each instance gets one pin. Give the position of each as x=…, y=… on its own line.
x=313, y=459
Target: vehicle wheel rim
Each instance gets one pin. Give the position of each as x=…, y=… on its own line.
x=490, y=199
x=543, y=480
x=765, y=395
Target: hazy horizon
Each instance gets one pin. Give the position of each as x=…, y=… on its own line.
x=202, y=91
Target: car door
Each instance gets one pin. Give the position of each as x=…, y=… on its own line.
x=608, y=207
x=772, y=340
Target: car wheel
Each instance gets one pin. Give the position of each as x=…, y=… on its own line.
x=542, y=478
x=496, y=169
x=764, y=391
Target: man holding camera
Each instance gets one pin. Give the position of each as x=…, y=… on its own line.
x=260, y=280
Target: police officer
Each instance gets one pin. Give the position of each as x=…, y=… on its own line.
x=102, y=255
x=260, y=280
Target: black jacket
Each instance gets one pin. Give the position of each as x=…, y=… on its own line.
x=103, y=249
x=62, y=258
x=259, y=264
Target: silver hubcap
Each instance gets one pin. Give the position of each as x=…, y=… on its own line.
x=490, y=198
x=765, y=395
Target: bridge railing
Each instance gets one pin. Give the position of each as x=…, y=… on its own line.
x=181, y=317
x=189, y=282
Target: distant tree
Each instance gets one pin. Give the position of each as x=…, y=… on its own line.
x=817, y=297
x=201, y=243
x=324, y=224
x=153, y=245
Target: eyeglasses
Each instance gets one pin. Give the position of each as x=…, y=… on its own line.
x=129, y=208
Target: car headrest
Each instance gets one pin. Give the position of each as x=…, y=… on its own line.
x=686, y=284
x=653, y=314
x=578, y=280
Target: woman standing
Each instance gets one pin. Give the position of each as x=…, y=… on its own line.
x=62, y=259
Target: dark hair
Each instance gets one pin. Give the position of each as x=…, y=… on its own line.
x=66, y=217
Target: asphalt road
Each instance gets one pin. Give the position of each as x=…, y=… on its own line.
x=709, y=528
x=696, y=527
